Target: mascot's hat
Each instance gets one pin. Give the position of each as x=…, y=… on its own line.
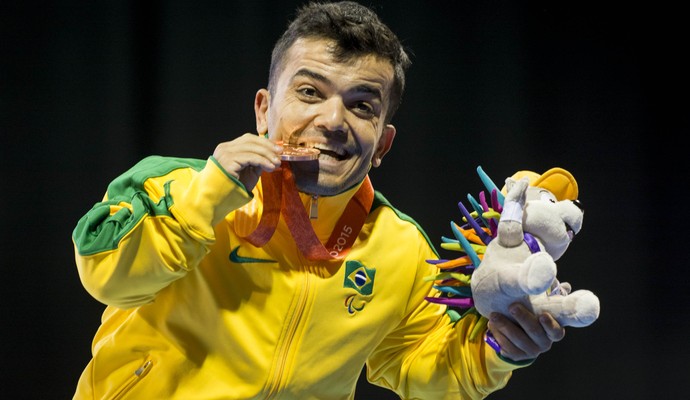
x=556, y=180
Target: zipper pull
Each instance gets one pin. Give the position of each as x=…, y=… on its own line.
x=314, y=207
x=141, y=371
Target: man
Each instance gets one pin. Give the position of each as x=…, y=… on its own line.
x=247, y=277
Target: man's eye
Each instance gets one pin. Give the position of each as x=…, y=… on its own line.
x=308, y=91
x=364, y=108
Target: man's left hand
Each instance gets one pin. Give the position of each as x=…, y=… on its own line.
x=531, y=336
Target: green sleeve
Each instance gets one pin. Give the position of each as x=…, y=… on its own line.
x=154, y=224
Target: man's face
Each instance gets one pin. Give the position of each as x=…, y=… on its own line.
x=337, y=108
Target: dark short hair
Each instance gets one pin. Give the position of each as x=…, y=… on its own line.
x=356, y=30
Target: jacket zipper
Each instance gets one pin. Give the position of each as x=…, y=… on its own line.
x=284, y=348
x=314, y=207
x=138, y=375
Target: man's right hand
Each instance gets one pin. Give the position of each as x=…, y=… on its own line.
x=247, y=157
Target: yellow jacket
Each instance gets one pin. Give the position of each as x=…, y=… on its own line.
x=196, y=312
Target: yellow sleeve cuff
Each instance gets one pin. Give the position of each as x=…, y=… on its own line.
x=210, y=196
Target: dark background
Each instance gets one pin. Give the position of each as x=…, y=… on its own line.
x=89, y=88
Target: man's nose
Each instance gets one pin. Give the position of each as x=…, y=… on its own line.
x=331, y=115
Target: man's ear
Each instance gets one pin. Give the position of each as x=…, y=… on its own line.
x=261, y=102
x=384, y=145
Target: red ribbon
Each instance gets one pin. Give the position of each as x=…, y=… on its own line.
x=281, y=196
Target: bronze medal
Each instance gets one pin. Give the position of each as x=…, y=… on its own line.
x=298, y=153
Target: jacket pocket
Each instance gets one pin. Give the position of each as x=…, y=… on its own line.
x=135, y=378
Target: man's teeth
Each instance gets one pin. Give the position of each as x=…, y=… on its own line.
x=330, y=153
x=326, y=151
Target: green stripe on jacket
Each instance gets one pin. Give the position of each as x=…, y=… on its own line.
x=98, y=231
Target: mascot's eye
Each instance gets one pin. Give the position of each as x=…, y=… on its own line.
x=545, y=195
x=578, y=205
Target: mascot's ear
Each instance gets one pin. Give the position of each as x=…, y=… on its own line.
x=510, y=182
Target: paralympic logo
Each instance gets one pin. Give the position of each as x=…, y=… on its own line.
x=361, y=279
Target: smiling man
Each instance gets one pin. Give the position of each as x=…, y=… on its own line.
x=335, y=107
x=245, y=276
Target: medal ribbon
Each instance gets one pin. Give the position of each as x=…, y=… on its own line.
x=281, y=196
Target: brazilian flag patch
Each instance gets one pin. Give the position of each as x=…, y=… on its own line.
x=359, y=277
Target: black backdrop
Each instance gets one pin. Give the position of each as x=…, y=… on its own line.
x=88, y=88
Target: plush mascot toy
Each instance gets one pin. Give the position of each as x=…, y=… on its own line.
x=511, y=246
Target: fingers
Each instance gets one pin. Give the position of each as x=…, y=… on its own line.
x=515, y=343
x=247, y=156
x=554, y=331
x=527, y=337
x=246, y=151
